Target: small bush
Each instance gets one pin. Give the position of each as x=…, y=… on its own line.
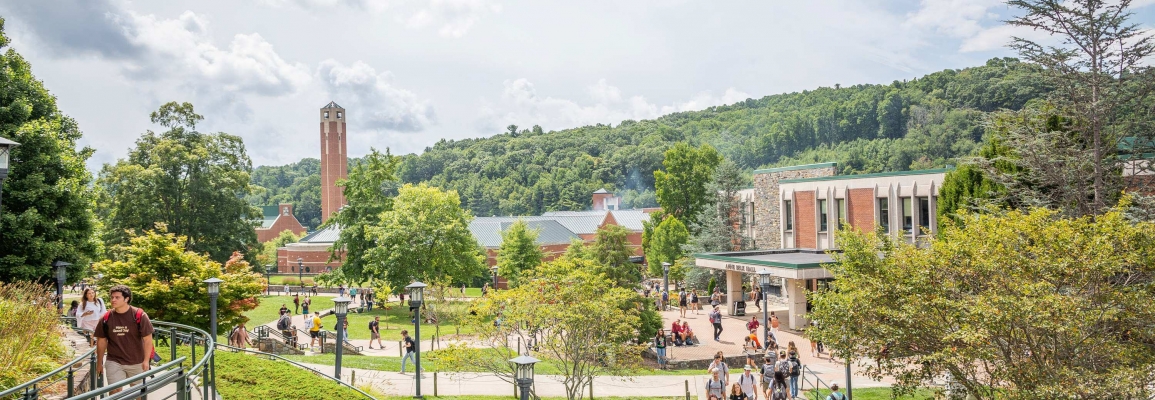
x=30, y=342
x=309, y=282
x=291, y=281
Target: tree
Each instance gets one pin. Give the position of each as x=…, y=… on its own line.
x=666, y=244
x=970, y=188
x=612, y=252
x=46, y=213
x=721, y=219
x=519, y=252
x=578, y=250
x=581, y=322
x=426, y=235
x=194, y=183
x=1100, y=79
x=369, y=189
x=682, y=188
x=1000, y=304
x=166, y=280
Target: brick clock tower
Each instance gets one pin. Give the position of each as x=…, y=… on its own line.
x=334, y=159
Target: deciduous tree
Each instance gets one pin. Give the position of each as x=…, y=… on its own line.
x=666, y=246
x=166, y=280
x=1019, y=305
x=682, y=185
x=612, y=252
x=369, y=190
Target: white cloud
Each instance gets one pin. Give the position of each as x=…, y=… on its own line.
x=957, y=18
x=452, y=18
x=373, y=101
x=521, y=105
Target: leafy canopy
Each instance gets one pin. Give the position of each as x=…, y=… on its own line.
x=369, y=190
x=166, y=280
x=1011, y=305
x=46, y=204
x=519, y=252
x=425, y=236
x=682, y=186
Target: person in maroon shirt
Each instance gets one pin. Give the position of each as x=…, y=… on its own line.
x=125, y=334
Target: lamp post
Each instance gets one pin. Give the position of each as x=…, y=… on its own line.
x=214, y=288
x=416, y=296
x=665, y=285
x=524, y=373
x=300, y=271
x=494, y=270
x=764, y=277
x=5, y=150
x=340, y=308
x=61, y=275
x=268, y=282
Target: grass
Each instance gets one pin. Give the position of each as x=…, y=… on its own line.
x=430, y=363
x=241, y=376
x=874, y=394
x=30, y=344
x=546, y=398
x=267, y=310
x=393, y=320
x=290, y=280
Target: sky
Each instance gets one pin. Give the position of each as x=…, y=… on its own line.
x=410, y=73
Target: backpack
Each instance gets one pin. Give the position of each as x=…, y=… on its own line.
x=779, y=393
x=283, y=323
x=767, y=376
x=795, y=367
x=137, y=312
x=840, y=396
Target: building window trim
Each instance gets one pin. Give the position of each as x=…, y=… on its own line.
x=884, y=214
x=788, y=212
x=923, y=212
x=822, y=216
x=907, y=215
x=840, y=212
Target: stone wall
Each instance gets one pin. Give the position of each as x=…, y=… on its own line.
x=767, y=204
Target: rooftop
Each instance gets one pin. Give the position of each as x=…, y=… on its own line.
x=785, y=258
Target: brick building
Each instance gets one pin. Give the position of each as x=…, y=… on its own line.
x=277, y=219
x=334, y=158
x=796, y=211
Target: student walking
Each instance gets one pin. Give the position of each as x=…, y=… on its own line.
x=748, y=383
x=660, y=347
x=305, y=305
x=409, y=350
x=240, y=337
x=777, y=388
x=296, y=303
x=719, y=364
x=375, y=332
x=716, y=319
x=774, y=324
x=715, y=386
x=124, y=334
x=835, y=394
x=315, y=330
x=285, y=325
x=682, y=300
x=90, y=310
x=694, y=301
x=795, y=370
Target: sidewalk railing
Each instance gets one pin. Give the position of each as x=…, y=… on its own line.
x=172, y=372
x=31, y=390
x=815, y=386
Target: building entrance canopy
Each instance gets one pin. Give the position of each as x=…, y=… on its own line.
x=787, y=263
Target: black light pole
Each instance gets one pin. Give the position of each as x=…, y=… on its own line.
x=764, y=277
x=416, y=296
x=214, y=288
x=268, y=282
x=5, y=149
x=300, y=271
x=524, y=374
x=665, y=285
x=61, y=275
x=494, y=269
x=340, y=308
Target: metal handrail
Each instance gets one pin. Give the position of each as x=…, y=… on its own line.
x=817, y=381
x=299, y=365
x=32, y=383
x=172, y=371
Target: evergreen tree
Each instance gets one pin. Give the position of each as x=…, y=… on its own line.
x=45, y=212
x=519, y=252
x=612, y=252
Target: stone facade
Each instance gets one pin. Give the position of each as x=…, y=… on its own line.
x=767, y=206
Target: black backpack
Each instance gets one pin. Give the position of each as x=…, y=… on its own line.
x=795, y=367
x=283, y=323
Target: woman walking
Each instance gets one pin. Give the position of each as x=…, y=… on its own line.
x=90, y=310
x=778, y=389
x=660, y=347
x=694, y=301
x=736, y=393
x=682, y=300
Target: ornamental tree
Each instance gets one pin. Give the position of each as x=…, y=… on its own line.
x=519, y=252
x=1014, y=305
x=166, y=280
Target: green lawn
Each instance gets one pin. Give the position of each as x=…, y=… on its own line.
x=241, y=376
x=430, y=363
x=547, y=398
x=873, y=394
x=266, y=311
x=393, y=320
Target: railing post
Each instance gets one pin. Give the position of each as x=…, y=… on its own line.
x=172, y=343
x=71, y=381
x=181, y=389
x=205, y=383
x=92, y=374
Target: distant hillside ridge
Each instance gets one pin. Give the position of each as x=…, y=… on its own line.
x=921, y=123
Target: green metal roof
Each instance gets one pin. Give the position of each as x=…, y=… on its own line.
x=795, y=167
x=269, y=215
x=791, y=259
x=864, y=176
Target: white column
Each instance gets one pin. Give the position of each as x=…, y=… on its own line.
x=796, y=301
x=733, y=289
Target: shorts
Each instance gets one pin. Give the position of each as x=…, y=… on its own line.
x=374, y=336
x=682, y=304
x=116, y=372
x=314, y=334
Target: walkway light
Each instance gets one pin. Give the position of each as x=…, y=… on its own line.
x=764, y=277
x=416, y=297
x=61, y=276
x=524, y=373
x=340, y=308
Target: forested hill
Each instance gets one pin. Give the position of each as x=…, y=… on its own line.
x=920, y=123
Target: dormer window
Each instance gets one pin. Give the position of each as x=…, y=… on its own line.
x=326, y=114
x=338, y=115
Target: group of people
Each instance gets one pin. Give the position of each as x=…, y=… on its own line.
x=776, y=378
x=298, y=305
x=121, y=333
x=688, y=301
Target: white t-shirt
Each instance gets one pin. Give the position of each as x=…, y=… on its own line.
x=747, y=382
x=89, y=322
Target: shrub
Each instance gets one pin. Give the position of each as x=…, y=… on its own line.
x=309, y=281
x=30, y=342
x=710, y=287
x=291, y=281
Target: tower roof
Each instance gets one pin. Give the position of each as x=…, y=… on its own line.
x=332, y=104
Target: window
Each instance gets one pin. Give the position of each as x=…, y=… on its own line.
x=884, y=214
x=789, y=213
x=822, y=215
x=326, y=114
x=840, y=204
x=286, y=212
x=924, y=212
x=338, y=115
x=907, y=219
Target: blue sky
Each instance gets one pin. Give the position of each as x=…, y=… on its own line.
x=413, y=72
